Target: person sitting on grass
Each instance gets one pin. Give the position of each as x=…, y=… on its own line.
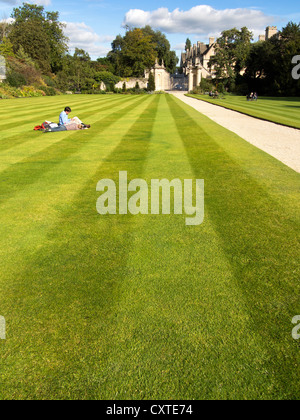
x=66, y=124
x=64, y=120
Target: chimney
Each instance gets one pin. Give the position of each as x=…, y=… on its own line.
x=211, y=41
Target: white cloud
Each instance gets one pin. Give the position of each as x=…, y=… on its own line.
x=199, y=20
x=84, y=37
x=8, y=20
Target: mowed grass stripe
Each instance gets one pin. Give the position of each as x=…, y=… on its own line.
x=41, y=115
x=28, y=170
x=27, y=143
x=136, y=307
x=37, y=114
x=52, y=193
x=260, y=240
x=268, y=172
x=283, y=111
x=167, y=336
x=59, y=293
x=19, y=133
x=31, y=104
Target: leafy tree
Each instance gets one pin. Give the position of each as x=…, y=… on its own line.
x=232, y=50
x=103, y=64
x=109, y=79
x=115, y=56
x=151, y=83
x=133, y=53
x=25, y=58
x=137, y=51
x=162, y=48
x=57, y=39
x=188, y=44
x=82, y=69
x=33, y=39
x=269, y=64
x=77, y=73
x=6, y=48
x=15, y=79
x=40, y=34
x=5, y=28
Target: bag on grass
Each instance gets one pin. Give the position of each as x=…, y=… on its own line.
x=45, y=125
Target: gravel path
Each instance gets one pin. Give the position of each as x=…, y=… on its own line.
x=283, y=143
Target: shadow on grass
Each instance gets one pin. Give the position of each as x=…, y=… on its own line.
x=70, y=286
x=259, y=239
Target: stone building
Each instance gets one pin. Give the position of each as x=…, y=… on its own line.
x=161, y=76
x=270, y=31
x=194, y=63
x=130, y=83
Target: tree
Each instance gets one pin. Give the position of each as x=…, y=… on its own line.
x=40, y=34
x=133, y=53
x=5, y=27
x=57, y=40
x=6, y=48
x=269, y=64
x=162, y=48
x=232, y=50
x=188, y=44
x=151, y=83
x=103, y=64
x=109, y=79
x=77, y=74
x=137, y=51
x=33, y=39
x=115, y=56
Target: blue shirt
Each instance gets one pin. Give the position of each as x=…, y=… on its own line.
x=63, y=118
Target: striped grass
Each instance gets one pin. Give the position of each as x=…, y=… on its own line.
x=144, y=307
x=284, y=111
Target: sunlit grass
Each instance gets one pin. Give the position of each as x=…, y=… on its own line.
x=144, y=307
x=285, y=111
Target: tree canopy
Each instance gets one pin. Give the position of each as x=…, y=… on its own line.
x=188, y=44
x=137, y=51
x=232, y=50
x=269, y=63
x=40, y=34
x=37, y=54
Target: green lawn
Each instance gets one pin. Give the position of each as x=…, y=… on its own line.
x=285, y=111
x=144, y=307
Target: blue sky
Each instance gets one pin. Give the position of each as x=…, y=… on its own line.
x=93, y=24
